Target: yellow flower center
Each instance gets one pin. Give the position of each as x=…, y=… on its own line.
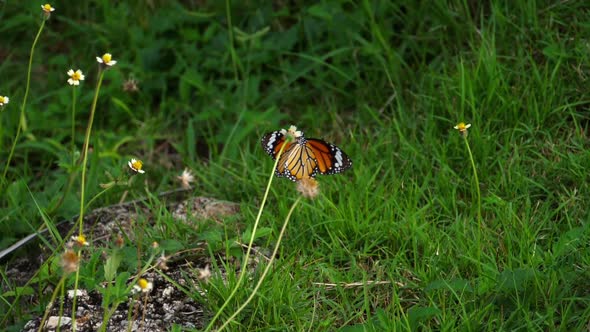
x=76, y=76
x=107, y=58
x=81, y=239
x=461, y=126
x=143, y=284
x=137, y=164
x=1, y=99
x=47, y=7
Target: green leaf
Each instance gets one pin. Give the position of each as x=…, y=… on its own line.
x=456, y=285
x=320, y=11
x=515, y=280
x=357, y=328
x=191, y=141
x=261, y=232
x=171, y=245
x=569, y=241
x=110, y=267
x=213, y=238
x=20, y=291
x=418, y=314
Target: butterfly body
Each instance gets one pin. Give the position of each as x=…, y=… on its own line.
x=304, y=157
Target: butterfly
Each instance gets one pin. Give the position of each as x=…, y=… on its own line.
x=304, y=157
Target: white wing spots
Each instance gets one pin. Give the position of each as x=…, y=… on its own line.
x=338, y=156
x=271, y=142
x=305, y=160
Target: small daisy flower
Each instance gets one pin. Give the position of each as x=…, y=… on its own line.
x=462, y=128
x=75, y=77
x=80, y=240
x=136, y=165
x=47, y=9
x=130, y=85
x=186, y=178
x=308, y=187
x=204, y=273
x=4, y=100
x=292, y=132
x=106, y=59
x=70, y=261
x=143, y=286
x=161, y=262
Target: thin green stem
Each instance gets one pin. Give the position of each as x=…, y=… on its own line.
x=97, y=196
x=22, y=124
x=141, y=324
x=83, y=186
x=230, y=32
x=266, y=269
x=73, y=144
x=107, y=313
x=68, y=187
x=61, y=306
x=53, y=296
x=74, y=300
x=85, y=149
x=247, y=257
x=479, y=219
x=23, y=119
x=129, y=310
x=73, y=150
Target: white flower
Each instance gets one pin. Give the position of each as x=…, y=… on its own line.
x=143, y=286
x=136, y=165
x=186, y=178
x=204, y=273
x=47, y=8
x=4, y=100
x=462, y=128
x=106, y=59
x=80, y=240
x=75, y=77
x=292, y=132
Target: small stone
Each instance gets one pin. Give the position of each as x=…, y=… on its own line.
x=81, y=293
x=168, y=291
x=53, y=321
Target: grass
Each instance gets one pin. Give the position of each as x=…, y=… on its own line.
x=392, y=244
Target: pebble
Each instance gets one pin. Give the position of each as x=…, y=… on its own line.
x=52, y=322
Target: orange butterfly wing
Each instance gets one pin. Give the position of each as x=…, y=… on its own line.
x=305, y=158
x=330, y=158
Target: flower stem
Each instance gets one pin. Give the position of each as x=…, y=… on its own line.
x=73, y=144
x=74, y=306
x=479, y=219
x=82, y=189
x=266, y=269
x=247, y=257
x=53, y=296
x=22, y=124
x=61, y=306
x=85, y=149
